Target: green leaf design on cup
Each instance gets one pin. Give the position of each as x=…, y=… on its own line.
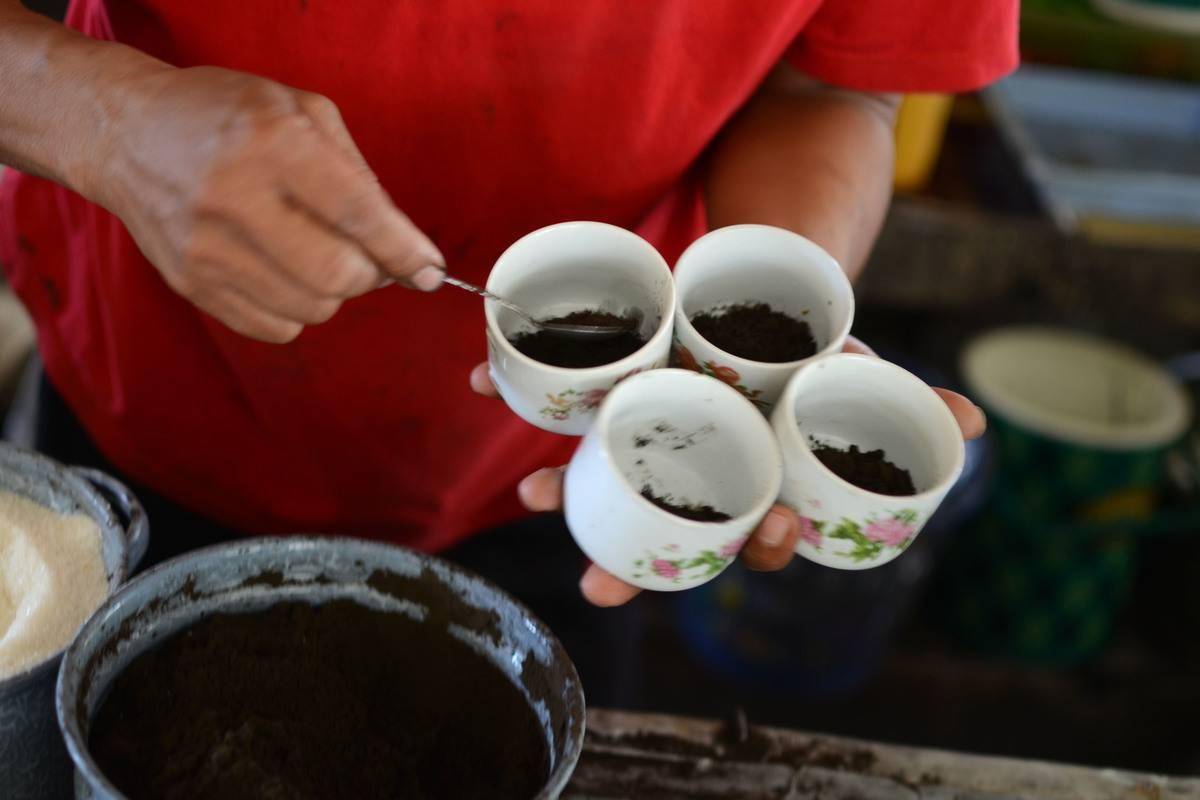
x=700, y=566
x=871, y=538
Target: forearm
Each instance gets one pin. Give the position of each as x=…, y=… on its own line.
x=814, y=160
x=60, y=96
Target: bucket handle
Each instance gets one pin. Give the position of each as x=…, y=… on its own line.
x=127, y=508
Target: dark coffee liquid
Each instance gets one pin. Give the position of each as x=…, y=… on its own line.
x=566, y=351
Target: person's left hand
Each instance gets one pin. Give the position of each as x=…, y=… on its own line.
x=769, y=548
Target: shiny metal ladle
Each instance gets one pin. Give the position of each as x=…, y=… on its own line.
x=630, y=322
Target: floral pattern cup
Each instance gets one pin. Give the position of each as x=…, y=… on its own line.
x=846, y=399
x=758, y=263
x=564, y=268
x=688, y=439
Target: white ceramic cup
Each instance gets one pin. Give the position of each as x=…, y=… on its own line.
x=846, y=399
x=692, y=440
x=569, y=267
x=759, y=263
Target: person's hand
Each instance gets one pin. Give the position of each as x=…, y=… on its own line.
x=769, y=548
x=252, y=200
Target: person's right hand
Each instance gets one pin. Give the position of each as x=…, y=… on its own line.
x=253, y=201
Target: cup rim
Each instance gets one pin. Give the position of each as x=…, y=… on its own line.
x=630, y=361
x=739, y=361
x=1064, y=428
x=755, y=513
x=786, y=405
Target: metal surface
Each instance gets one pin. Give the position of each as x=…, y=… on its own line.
x=33, y=762
x=632, y=321
x=254, y=574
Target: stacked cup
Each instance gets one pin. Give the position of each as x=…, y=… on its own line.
x=676, y=468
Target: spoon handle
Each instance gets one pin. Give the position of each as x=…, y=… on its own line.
x=479, y=290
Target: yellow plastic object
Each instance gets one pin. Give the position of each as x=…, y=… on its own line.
x=920, y=128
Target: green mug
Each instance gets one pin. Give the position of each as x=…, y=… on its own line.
x=1081, y=427
x=1081, y=424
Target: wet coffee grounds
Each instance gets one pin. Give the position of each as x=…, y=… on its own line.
x=868, y=470
x=757, y=332
x=329, y=701
x=697, y=511
x=564, y=351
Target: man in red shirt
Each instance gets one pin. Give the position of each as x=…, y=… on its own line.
x=217, y=196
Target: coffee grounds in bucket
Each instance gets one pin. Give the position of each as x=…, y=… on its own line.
x=868, y=470
x=757, y=332
x=328, y=701
x=701, y=512
x=566, y=351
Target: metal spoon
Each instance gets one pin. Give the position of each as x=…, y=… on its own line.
x=630, y=322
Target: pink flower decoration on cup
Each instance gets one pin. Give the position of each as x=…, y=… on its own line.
x=809, y=533
x=686, y=359
x=664, y=568
x=727, y=375
x=731, y=549
x=891, y=532
x=593, y=398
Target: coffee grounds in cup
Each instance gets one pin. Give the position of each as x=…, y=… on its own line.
x=868, y=470
x=558, y=350
x=757, y=332
x=696, y=511
x=327, y=701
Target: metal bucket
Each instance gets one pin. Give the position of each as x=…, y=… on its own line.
x=252, y=575
x=34, y=765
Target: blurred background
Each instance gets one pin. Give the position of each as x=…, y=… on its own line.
x=1052, y=608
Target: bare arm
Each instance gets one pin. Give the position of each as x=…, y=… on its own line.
x=59, y=93
x=250, y=197
x=810, y=158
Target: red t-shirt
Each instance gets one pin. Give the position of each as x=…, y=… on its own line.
x=484, y=119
